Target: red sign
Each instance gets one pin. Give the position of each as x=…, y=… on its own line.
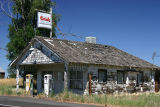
x=45, y=18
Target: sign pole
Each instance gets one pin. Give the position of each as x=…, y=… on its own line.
x=51, y=21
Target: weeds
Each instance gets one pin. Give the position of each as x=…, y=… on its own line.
x=143, y=100
x=7, y=87
x=6, y=90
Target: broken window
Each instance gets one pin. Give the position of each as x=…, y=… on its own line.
x=76, y=80
x=120, y=77
x=102, y=75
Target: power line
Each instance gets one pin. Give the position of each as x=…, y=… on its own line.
x=70, y=34
x=65, y=34
x=3, y=49
x=3, y=54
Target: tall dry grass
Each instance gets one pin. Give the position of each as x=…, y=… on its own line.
x=141, y=100
x=10, y=82
x=6, y=90
x=8, y=86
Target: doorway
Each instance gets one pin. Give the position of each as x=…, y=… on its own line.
x=157, y=81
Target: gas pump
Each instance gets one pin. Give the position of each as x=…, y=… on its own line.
x=29, y=84
x=48, y=81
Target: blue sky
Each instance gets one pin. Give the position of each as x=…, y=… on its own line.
x=130, y=25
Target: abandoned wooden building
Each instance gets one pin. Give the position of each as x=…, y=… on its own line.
x=85, y=68
x=2, y=73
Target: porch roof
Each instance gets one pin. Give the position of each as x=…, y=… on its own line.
x=89, y=53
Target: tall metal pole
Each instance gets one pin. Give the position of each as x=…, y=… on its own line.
x=51, y=21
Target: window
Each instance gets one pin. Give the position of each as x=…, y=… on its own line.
x=102, y=75
x=76, y=80
x=120, y=77
x=140, y=78
x=60, y=76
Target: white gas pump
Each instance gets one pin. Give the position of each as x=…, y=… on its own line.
x=48, y=81
x=29, y=84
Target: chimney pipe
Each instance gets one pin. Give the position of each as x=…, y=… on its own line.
x=90, y=39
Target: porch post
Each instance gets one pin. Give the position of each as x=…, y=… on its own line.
x=17, y=79
x=65, y=76
x=153, y=81
x=39, y=82
x=90, y=78
x=127, y=79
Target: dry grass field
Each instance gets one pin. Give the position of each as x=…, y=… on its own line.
x=126, y=100
x=10, y=82
x=8, y=86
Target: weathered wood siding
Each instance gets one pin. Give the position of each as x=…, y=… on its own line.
x=111, y=86
x=39, y=54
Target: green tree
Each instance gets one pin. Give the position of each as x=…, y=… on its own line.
x=24, y=22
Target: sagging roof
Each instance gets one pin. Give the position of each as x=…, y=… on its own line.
x=82, y=52
x=89, y=53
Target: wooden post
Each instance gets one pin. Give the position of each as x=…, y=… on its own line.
x=66, y=76
x=156, y=86
x=157, y=75
x=39, y=82
x=90, y=78
x=17, y=79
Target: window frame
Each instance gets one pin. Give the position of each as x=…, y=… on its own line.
x=123, y=77
x=102, y=70
x=140, y=82
x=76, y=79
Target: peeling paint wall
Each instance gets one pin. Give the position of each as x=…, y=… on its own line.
x=111, y=86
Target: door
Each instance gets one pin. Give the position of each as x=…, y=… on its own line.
x=156, y=86
x=157, y=80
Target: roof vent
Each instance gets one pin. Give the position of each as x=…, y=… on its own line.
x=90, y=39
